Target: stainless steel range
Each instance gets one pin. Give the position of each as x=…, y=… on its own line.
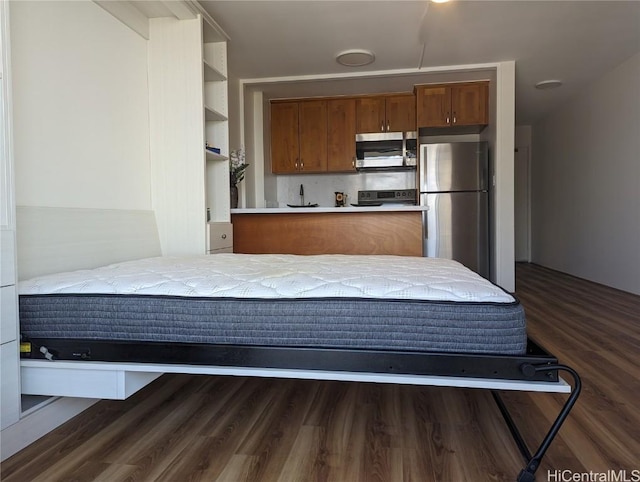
x=379, y=197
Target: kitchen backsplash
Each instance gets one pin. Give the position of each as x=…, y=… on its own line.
x=321, y=189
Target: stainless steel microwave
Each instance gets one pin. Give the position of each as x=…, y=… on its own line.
x=386, y=151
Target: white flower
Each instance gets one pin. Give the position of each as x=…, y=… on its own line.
x=237, y=166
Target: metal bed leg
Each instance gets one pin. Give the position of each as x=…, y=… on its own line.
x=533, y=462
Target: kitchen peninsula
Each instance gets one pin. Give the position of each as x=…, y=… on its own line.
x=388, y=229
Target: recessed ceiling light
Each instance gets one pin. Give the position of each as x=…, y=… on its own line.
x=548, y=84
x=355, y=57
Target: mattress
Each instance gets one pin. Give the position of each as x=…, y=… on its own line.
x=327, y=301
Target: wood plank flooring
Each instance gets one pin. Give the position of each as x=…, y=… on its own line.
x=206, y=428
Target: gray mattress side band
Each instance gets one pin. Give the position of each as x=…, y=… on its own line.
x=327, y=323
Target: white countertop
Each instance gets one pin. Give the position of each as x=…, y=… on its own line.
x=331, y=209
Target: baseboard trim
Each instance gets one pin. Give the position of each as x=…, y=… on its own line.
x=40, y=422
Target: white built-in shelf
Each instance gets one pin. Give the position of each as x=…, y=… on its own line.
x=213, y=115
x=211, y=74
x=212, y=32
x=212, y=156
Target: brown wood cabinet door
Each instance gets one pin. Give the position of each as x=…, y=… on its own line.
x=433, y=105
x=469, y=104
x=285, y=148
x=341, y=121
x=313, y=135
x=370, y=115
x=401, y=113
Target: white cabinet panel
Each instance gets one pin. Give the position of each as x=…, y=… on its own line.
x=220, y=238
x=7, y=257
x=8, y=314
x=9, y=384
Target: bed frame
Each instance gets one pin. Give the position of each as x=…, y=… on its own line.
x=79, y=368
x=130, y=365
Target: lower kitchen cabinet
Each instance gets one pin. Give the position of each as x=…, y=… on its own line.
x=396, y=233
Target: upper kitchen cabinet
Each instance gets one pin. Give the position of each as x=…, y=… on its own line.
x=285, y=146
x=341, y=122
x=387, y=113
x=313, y=135
x=299, y=137
x=401, y=113
x=453, y=105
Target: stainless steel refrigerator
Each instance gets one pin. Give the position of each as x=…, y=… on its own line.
x=454, y=184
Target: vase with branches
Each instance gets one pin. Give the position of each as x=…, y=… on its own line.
x=237, y=168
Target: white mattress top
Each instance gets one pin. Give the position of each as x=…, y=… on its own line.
x=279, y=276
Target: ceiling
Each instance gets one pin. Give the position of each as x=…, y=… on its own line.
x=574, y=41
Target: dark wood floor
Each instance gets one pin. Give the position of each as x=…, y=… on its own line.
x=184, y=428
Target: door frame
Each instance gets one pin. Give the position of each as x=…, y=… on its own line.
x=522, y=172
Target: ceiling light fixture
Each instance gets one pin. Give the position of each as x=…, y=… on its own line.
x=439, y=1
x=548, y=84
x=355, y=58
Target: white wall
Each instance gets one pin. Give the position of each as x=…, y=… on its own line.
x=81, y=108
x=522, y=193
x=586, y=182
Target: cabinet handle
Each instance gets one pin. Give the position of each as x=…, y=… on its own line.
x=448, y=119
x=454, y=117
x=296, y=163
x=382, y=126
x=353, y=162
x=224, y=236
x=387, y=126
x=301, y=164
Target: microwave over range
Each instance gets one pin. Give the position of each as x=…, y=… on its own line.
x=382, y=151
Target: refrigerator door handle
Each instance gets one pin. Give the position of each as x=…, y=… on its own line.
x=425, y=233
x=425, y=225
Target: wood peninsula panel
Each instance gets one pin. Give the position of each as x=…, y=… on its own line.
x=398, y=233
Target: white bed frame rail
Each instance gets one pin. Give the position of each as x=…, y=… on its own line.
x=118, y=381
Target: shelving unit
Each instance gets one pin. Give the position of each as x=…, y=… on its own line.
x=188, y=111
x=213, y=115
x=216, y=129
x=212, y=156
x=212, y=74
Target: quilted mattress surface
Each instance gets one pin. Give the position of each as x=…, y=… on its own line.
x=279, y=276
x=333, y=301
